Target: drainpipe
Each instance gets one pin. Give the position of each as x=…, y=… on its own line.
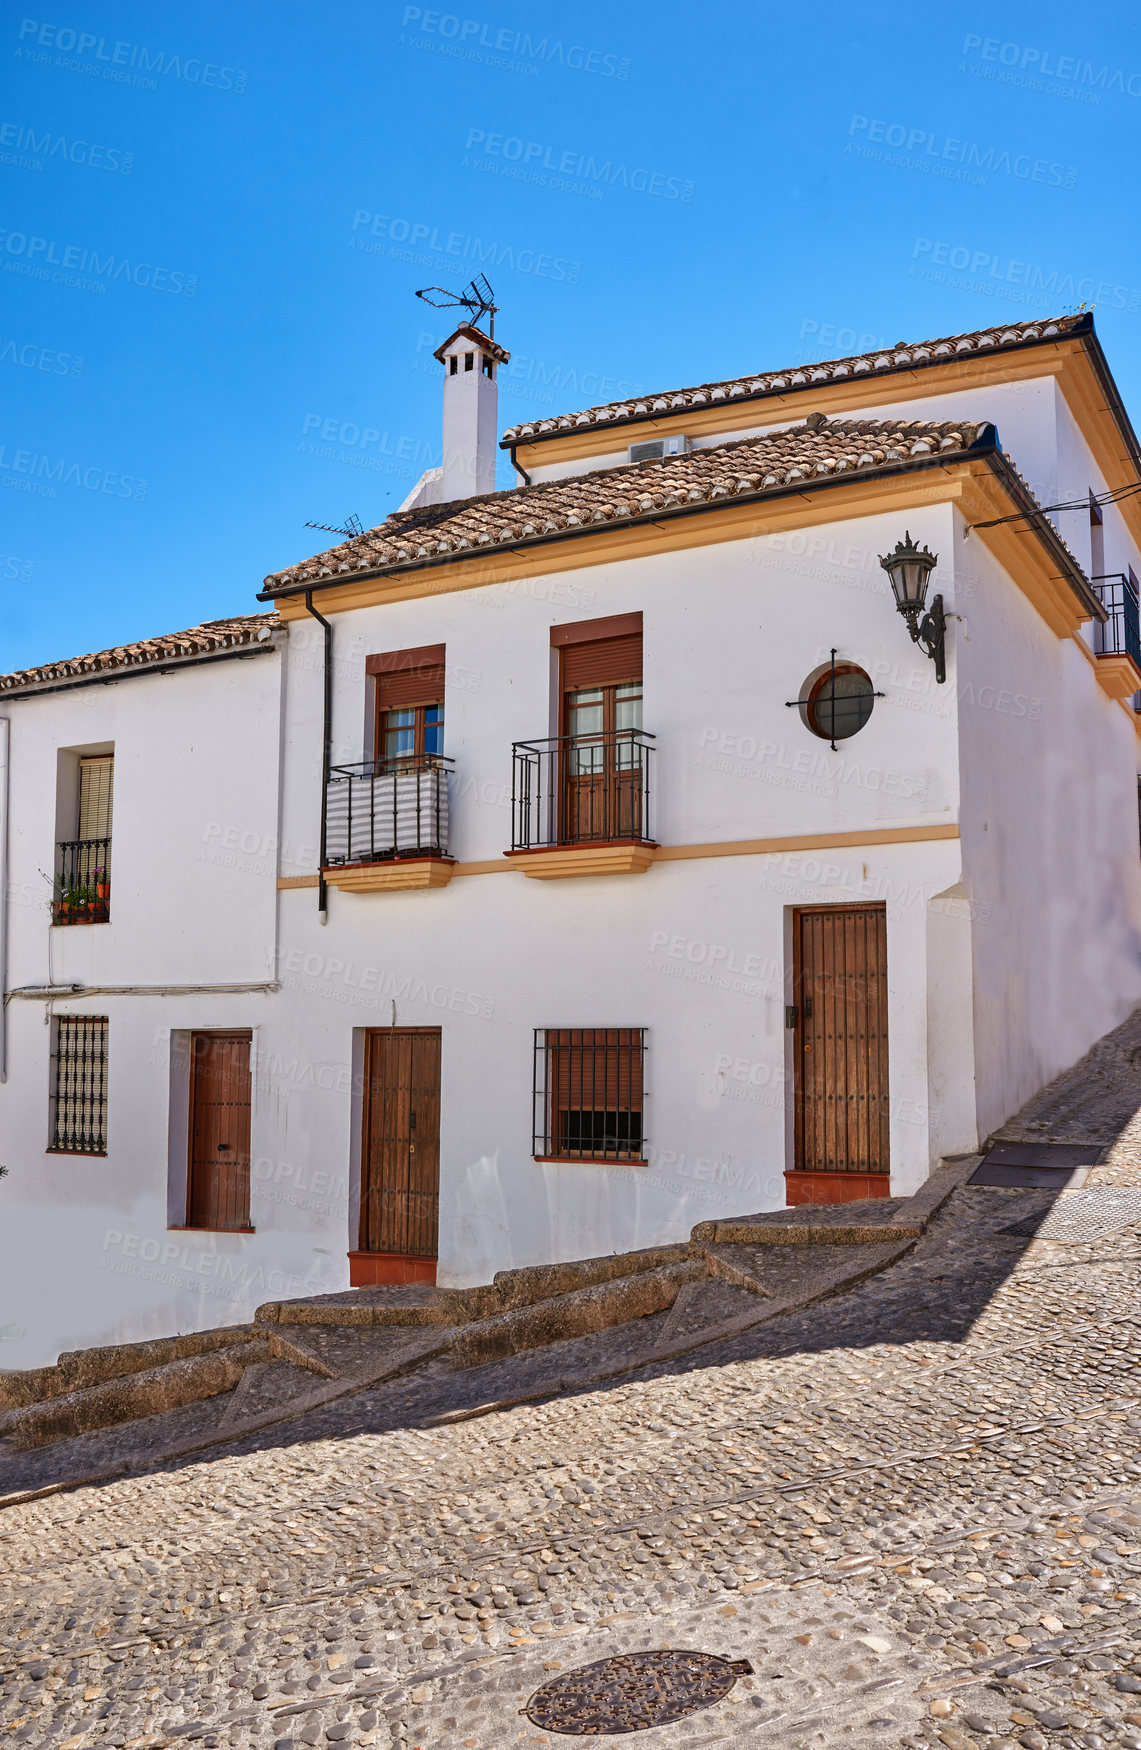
x=4, y=732
x=327, y=754
x=517, y=466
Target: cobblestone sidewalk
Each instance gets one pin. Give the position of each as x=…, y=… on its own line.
x=914, y=1508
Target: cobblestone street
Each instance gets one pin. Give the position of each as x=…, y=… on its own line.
x=914, y=1508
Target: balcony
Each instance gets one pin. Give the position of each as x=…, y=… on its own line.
x=580, y=804
x=83, y=882
x=386, y=824
x=1117, y=641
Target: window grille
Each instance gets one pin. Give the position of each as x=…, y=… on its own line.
x=79, y=1098
x=589, y=1085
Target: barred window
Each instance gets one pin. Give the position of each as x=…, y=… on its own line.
x=588, y=1093
x=79, y=1085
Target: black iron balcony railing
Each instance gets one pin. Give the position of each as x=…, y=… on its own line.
x=581, y=789
x=83, y=882
x=1120, y=635
x=381, y=810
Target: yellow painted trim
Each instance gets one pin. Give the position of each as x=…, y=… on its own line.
x=576, y=860
x=1022, y=556
x=422, y=873
x=500, y=866
x=1067, y=361
x=285, y=882
x=1118, y=676
x=968, y=483
x=725, y=521
x=972, y=371
x=812, y=841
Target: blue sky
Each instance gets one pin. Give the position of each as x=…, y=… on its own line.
x=215, y=219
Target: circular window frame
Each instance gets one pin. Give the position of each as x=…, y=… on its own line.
x=810, y=695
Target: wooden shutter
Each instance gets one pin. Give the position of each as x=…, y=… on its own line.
x=599, y=653
x=606, y=662
x=597, y=1069
x=408, y=677
x=95, y=776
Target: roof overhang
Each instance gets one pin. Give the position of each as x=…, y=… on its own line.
x=980, y=481
x=1074, y=359
x=127, y=671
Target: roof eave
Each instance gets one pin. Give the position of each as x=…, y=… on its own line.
x=985, y=447
x=130, y=670
x=1081, y=329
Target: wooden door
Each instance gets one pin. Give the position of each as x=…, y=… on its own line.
x=218, y=1191
x=400, y=1155
x=840, y=1046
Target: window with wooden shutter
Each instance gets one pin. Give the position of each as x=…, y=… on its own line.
x=603, y=779
x=409, y=703
x=83, y=863
x=589, y=1092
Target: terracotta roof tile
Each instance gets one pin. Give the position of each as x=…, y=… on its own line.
x=199, y=641
x=632, y=492
x=905, y=355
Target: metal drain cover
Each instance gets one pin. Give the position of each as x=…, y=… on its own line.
x=1048, y=1166
x=1083, y=1215
x=633, y=1692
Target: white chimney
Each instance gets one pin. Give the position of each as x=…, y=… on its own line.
x=471, y=413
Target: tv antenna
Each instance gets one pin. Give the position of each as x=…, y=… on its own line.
x=477, y=298
x=353, y=526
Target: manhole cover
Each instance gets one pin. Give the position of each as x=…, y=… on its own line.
x=633, y=1691
x=1083, y=1215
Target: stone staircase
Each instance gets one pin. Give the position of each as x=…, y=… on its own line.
x=300, y=1354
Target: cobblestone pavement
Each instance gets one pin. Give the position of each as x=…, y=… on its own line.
x=915, y=1509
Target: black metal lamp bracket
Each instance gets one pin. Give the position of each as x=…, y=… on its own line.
x=930, y=633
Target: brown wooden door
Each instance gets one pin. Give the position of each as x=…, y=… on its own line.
x=840, y=1039
x=400, y=1156
x=219, y=1176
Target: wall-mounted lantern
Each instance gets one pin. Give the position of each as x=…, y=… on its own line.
x=909, y=567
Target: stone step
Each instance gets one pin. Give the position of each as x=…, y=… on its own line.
x=79, y=1368
x=133, y=1395
x=580, y=1313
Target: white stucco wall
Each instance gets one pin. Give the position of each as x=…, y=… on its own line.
x=85, y=1252
x=1050, y=842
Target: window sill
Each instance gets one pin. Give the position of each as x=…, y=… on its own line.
x=592, y=1160
x=83, y=1154
x=183, y=1227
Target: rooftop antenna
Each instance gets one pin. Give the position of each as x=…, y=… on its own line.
x=477, y=298
x=353, y=526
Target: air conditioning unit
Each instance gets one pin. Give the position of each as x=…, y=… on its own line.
x=655, y=448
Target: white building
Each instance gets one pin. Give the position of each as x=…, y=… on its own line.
x=614, y=933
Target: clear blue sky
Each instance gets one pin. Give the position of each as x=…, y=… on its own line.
x=224, y=212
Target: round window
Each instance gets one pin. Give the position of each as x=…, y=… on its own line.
x=837, y=701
